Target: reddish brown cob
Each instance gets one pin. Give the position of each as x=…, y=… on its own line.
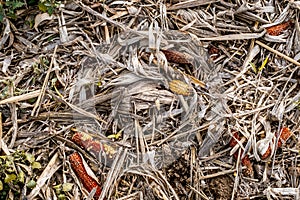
x=177, y=57
x=92, y=145
x=278, y=29
x=88, y=182
x=86, y=141
x=284, y=136
x=245, y=160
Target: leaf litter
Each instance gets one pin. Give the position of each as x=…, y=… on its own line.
x=169, y=100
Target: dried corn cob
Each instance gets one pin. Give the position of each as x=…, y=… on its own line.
x=92, y=145
x=178, y=57
x=245, y=160
x=88, y=182
x=179, y=87
x=278, y=29
x=284, y=136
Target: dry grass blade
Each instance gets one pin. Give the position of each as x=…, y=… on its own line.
x=191, y=3
x=23, y=97
x=278, y=53
x=113, y=173
x=78, y=109
x=132, y=196
x=52, y=167
x=42, y=91
x=217, y=174
x=93, y=12
x=242, y=36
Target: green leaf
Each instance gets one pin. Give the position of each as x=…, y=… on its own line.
x=42, y=7
x=31, y=184
x=1, y=185
x=2, y=13
x=53, y=81
x=57, y=188
x=18, y=155
x=253, y=67
x=9, y=178
x=263, y=64
x=298, y=104
x=50, y=10
x=52, y=37
x=21, y=176
x=61, y=197
x=3, y=157
x=9, y=166
x=36, y=165
x=18, y=4
x=32, y=2
x=10, y=159
x=31, y=23
x=14, y=4
x=11, y=14
x=32, y=100
x=30, y=157
x=66, y=187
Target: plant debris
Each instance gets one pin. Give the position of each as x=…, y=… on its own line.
x=150, y=100
x=79, y=169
